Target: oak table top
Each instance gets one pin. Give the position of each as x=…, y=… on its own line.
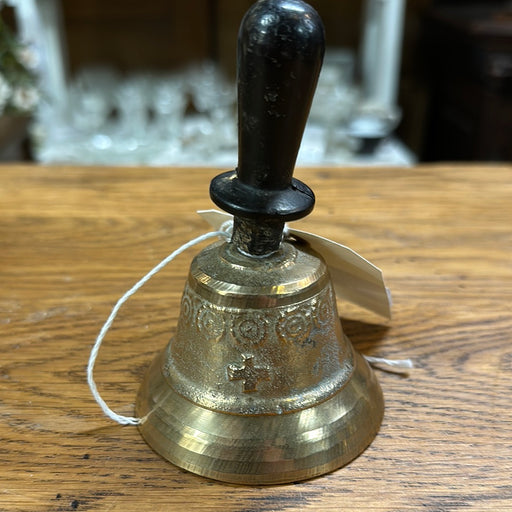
x=74, y=239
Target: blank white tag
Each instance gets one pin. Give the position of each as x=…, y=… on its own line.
x=354, y=278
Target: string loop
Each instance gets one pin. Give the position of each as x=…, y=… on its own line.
x=119, y=418
x=393, y=365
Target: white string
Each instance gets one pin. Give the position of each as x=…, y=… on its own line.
x=130, y=420
x=396, y=365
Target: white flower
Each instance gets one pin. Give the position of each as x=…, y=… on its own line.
x=25, y=98
x=5, y=92
x=28, y=56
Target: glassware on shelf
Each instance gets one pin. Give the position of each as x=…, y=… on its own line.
x=189, y=117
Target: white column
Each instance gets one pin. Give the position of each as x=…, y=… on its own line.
x=381, y=52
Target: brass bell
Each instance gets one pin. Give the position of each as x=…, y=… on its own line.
x=260, y=385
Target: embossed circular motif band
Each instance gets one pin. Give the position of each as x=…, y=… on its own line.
x=251, y=328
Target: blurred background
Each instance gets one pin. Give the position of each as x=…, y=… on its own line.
x=123, y=82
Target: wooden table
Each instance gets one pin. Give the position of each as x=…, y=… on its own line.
x=74, y=239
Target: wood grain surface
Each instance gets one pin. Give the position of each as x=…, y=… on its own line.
x=74, y=239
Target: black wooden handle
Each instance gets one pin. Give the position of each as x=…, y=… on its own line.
x=280, y=52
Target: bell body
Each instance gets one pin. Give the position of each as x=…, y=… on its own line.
x=259, y=385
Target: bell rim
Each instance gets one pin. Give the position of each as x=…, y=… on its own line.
x=262, y=449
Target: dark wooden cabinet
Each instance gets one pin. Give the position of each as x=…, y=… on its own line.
x=468, y=54
x=131, y=35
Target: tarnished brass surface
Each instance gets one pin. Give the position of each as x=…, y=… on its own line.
x=259, y=385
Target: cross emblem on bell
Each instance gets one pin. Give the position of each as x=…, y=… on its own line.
x=248, y=373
